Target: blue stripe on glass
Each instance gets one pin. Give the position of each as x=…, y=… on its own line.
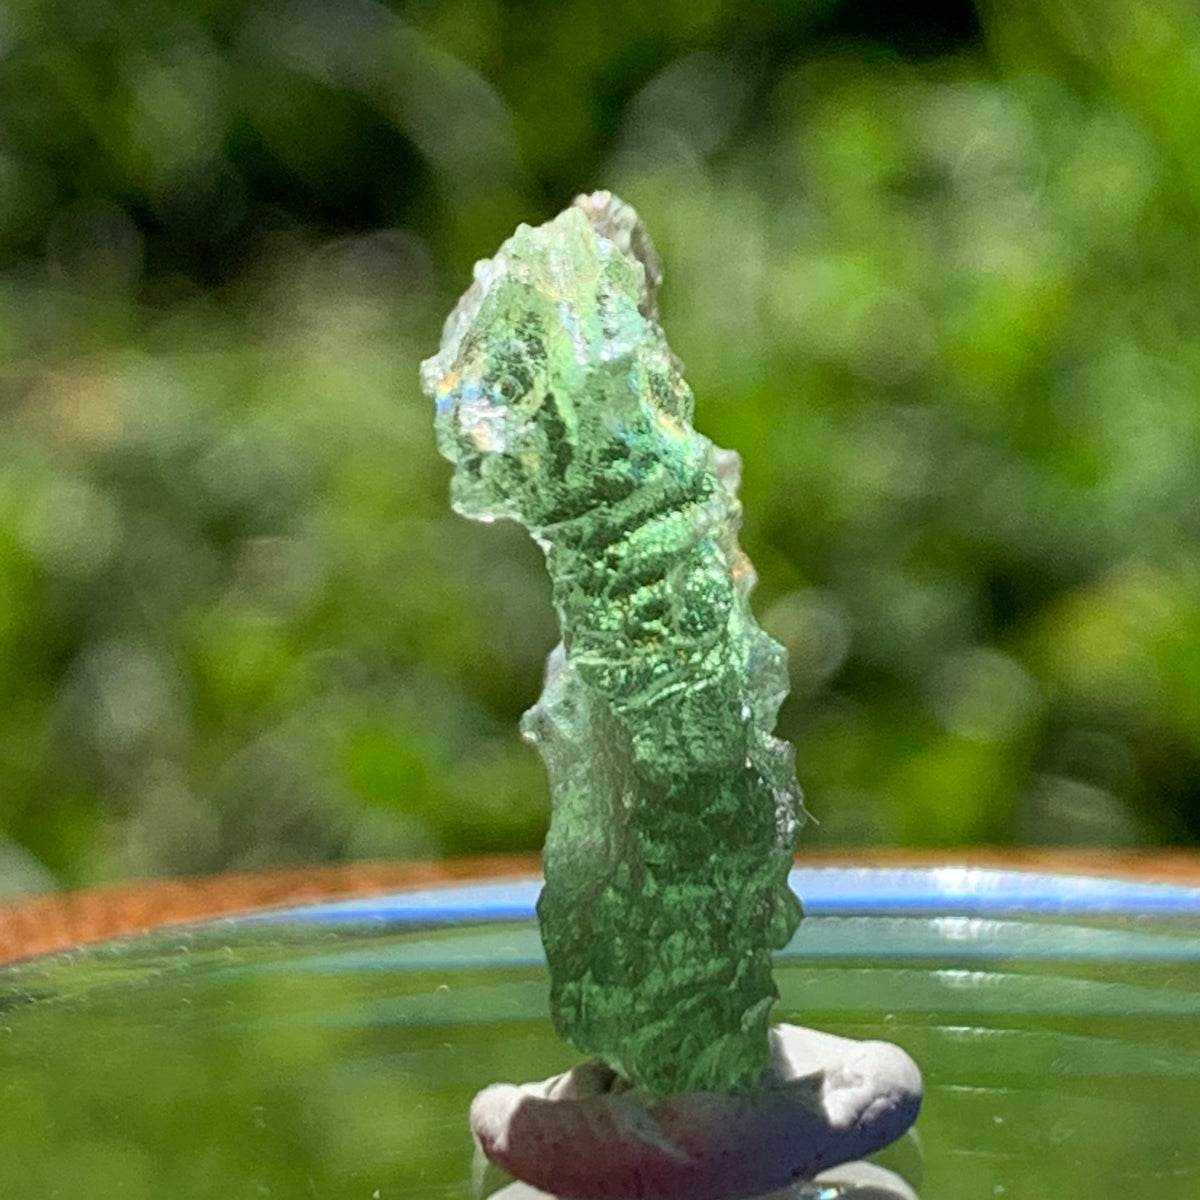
x=825, y=891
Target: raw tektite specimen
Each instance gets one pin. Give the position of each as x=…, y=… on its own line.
x=675, y=812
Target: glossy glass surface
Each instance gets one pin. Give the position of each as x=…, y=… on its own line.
x=332, y=1051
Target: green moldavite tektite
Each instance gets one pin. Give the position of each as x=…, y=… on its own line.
x=675, y=812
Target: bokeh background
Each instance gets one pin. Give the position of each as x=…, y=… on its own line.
x=934, y=270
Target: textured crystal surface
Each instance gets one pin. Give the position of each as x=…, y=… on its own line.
x=675, y=812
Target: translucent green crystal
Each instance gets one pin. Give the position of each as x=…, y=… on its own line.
x=675, y=812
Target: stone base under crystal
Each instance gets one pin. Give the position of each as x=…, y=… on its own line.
x=585, y=1135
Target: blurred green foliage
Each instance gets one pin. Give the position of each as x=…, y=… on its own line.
x=936, y=275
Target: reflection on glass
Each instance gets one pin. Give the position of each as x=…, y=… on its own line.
x=337, y=1056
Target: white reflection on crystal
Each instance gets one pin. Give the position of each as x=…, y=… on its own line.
x=482, y=421
x=568, y=314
